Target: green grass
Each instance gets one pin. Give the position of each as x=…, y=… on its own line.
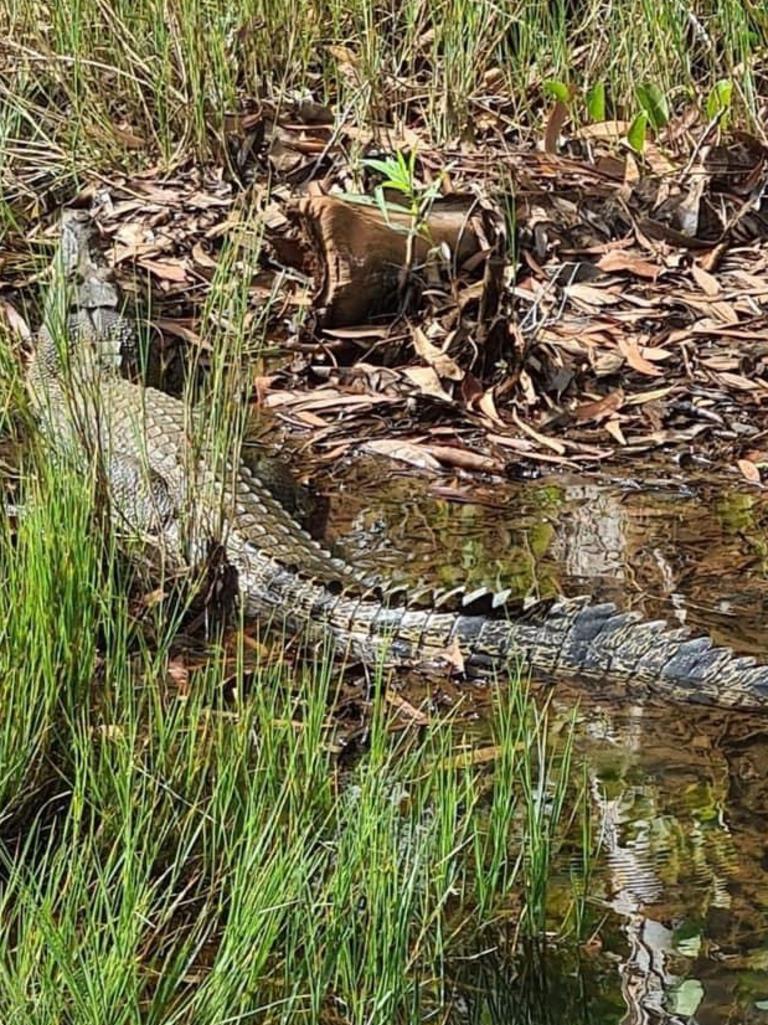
x=94, y=85
x=206, y=855
x=176, y=857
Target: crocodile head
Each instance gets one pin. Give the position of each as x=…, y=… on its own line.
x=83, y=323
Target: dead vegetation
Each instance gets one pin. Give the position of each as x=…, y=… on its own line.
x=485, y=238
x=565, y=305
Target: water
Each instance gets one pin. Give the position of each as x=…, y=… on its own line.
x=678, y=794
x=681, y=801
x=691, y=552
x=679, y=898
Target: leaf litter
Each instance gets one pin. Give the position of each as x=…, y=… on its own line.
x=579, y=304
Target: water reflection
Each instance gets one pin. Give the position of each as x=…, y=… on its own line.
x=679, y=895
x=693, y=556
x=682, y=802
x=536, y=988
x=678, y=796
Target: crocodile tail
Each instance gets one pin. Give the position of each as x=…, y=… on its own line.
x=563, y=639
x=572, y=638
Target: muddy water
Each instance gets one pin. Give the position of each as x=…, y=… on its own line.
x=678, y=796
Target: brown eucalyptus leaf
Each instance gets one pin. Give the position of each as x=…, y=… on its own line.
x=601, y=408
x=707, y=282
x=15, y=321
x=631, y=262
x=435, y=357
x=427, y=381
x=632, y=355
x=603, y=131
x=166, y=270
x=613, y=427
x=404, y=451
x=465, y=459
x=590, y=295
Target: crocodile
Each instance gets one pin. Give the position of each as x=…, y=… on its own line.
x=176, y=496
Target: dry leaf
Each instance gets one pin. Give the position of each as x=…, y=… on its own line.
x=622, y=261
x=360, y=332
x=525, y=448
x=471, y=390
x=16, y=322
x=707, y=282
x=601, y=408
x=342, y=53
x=405, y=451
x=159, y=195
x=556, y=446
x=179, y=674
x=749, y=471
x=631, y=354
x=442, y=362
x=590, y=295
x=640, y=398
x=487, y=406
x=660, y=164
x=631, y=174
x=465, y=459
x=406, y=708
x=129, y=138
x=203, y=259
x=603, y=131
x=758, y=456
x=427, y=381
x=166, y=270
x=737, y=381
x=613, y=427
x=711, y=308
x=655, y=353
x=327, y=399
x=310, y=419
x=181, y=330
x=204, y=200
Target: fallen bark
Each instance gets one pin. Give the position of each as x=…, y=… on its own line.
x=362, y=261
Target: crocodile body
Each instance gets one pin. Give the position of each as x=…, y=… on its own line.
x=166, y=489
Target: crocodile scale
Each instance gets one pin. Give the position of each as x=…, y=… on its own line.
x=167, y=490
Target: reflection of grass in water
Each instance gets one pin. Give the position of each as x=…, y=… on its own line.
x=538, y=987
x=744, y=514
x=454, y=544
x=530, y=786
x=190, y=861
x=521, y=566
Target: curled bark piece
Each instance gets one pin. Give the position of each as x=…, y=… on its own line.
x=359, y=256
